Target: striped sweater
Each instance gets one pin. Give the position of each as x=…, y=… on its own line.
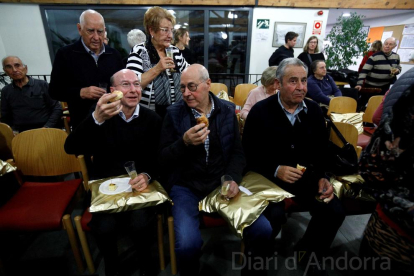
x=139, y=62
x=376, y=71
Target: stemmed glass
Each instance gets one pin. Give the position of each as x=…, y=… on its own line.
x=169, y=53
x=225, y=186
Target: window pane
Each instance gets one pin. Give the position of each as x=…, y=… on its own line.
x=228, y=41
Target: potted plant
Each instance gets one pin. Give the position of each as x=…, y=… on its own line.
x=348, y=40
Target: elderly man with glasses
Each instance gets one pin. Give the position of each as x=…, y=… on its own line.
x=25, y=103
x=196, y=156
x=117, y=132
x=81, y=70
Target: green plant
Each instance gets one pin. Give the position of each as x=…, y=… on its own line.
x=348, y=40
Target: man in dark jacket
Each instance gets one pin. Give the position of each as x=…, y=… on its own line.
x=117, y=132
x=284, y=51
x=80, y=68
x=25, y=103
x=296, y=135
x=197, y=156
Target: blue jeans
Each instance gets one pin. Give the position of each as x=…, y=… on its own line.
x=258, y=237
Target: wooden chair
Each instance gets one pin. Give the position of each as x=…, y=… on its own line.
x=82, y=227
x=66, y=117
x=43, y=206
x=350, y=134
x=241, y=92
x=6, y=137
x=365, y=137
x=216, y=87
x=342, y=105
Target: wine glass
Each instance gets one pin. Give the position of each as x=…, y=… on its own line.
x=169, y=53
x=225, y=186
x=130, y=168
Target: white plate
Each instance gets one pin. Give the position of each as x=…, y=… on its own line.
x=122, y=186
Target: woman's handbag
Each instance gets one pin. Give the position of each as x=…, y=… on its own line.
x=341, y=161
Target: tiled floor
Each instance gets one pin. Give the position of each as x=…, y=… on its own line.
x=50, y=254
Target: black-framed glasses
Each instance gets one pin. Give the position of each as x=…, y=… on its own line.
x=191, y=86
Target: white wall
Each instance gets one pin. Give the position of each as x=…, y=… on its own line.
x=261, y=51
x=22, y=34
x=400, y=19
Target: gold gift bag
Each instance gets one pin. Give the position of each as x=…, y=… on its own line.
x=153, y=195
x=242, y=210
x=6, y=167
x=351, y=189
x=350, y=118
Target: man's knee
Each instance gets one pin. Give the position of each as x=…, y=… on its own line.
x=188, y=244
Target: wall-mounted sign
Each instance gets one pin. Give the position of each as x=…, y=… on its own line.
x=317, y=27
x=263, y=23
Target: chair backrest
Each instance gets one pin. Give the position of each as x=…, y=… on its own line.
x=6, y=137
x=342, y=105
x=372, y=105
x=216, y=87
x=241, y=92
x=40, y=152
x=349, y=132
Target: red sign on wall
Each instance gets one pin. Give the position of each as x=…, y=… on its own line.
x=317, y=27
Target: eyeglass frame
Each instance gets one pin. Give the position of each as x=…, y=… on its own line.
x=100, y=32
x=166, y=30
x=134, y=84
x=182, y=86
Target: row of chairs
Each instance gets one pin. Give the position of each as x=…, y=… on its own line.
x=240, y=93
x=48, y=205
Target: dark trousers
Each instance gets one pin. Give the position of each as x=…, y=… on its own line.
x=140, y=224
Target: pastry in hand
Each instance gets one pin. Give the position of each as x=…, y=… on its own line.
x=302, y=168
x=119, y=95
x=202, y=119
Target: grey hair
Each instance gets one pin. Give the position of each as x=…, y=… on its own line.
x=280, y=72
x=84, y=13
x=136, y=36
x=4, y=59
x=268, y=76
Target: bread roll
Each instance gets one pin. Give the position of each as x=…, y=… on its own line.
x=119, y=95
x=202, y=119
x=302, y=168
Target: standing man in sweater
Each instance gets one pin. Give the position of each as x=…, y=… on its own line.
x=381, y=68
x=81, y=69
x=285, y=51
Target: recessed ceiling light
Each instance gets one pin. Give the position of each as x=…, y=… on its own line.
x=346, y=14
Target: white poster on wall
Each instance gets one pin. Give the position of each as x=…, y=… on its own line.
x=408, y=29
x=262, y=35
x=404, y=54
x=407, y=41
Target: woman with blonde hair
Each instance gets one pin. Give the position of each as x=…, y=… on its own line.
x=181, y=41
x=376, y=46
x=311, y=53
x=161, y=85
x=267, y=89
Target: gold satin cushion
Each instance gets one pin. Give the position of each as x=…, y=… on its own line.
x=6, y=167
x=242, y=210
x=153, y=195
x=350, y=118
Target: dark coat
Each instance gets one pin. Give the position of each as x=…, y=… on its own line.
x=187, y=165
x=74, y=69
x=280, y=54
x=270, y=140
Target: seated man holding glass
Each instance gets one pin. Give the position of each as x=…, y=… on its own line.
x=196, y=156
x=115, y=133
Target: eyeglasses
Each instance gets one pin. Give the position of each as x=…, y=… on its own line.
x=15, y=66
x=126, y=84
x=313, y=42
x=166, y=30
x=92, y=32
x=191, y=86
